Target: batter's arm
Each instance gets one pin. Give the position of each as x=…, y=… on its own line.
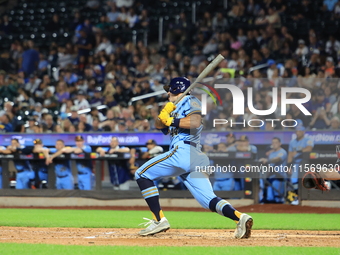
x=159, y=124
x=192, y=121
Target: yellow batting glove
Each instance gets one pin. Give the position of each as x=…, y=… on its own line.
x=169, y=107
x=163, y=116
x=168, y=121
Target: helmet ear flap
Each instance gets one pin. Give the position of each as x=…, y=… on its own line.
x=166, y=88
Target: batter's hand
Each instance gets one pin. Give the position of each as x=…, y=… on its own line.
x=169, y=107
x=165, y=118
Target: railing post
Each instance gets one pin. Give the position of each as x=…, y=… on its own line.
x=145, y=37
x=134, y=37
x=193, y=13
x=160, y=31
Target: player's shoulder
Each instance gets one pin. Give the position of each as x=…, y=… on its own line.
x=192, y=100
x=282, y=152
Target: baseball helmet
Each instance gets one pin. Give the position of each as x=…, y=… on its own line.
x=177, y=85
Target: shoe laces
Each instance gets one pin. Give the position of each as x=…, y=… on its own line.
x=149, y=222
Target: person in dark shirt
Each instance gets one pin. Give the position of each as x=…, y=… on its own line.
x=84, y=44
x=54, y=25
x=74, y=118
x=97, y=98
x=30, y=59
x=147, y=90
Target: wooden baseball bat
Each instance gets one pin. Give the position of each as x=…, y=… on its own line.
x=204, y=73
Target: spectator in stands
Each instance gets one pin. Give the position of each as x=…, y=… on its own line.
x=62, y=93
x=74, y=118
x=83, y=120
x=336, y=13
x=54, y=25
x=84, y=44
x=332, y=46
x=180, y=30
x=302, y=49
x=113, y=14
x=81, y=103
x=29, y=59
x=5, y=124
x=329, y=5
x=329, y=67
x=152, y=149
x=334, y=123
x=48, y=124
x=219, y=23
x=143, y=19
x=132, y=18
x=50, y=101
x=105, y=45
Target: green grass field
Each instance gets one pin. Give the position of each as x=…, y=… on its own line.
x=41, y=249
x=188, y=220
x=131, y=219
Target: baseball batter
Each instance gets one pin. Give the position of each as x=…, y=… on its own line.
x=184, y=124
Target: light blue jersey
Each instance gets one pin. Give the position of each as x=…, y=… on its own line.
x=282, y=154
x=184, y=158
x=186, y=107
x=62, y=168
x=275, y=191
x=252, y=149
x=296, y=145
x=84, y=168
x=1, y=148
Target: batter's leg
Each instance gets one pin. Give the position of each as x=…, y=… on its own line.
x=200, y=187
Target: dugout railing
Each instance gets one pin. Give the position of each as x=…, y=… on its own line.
x=319, y=160
x=251, y=187
x=251, y=179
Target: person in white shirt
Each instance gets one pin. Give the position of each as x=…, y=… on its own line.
x=332, y=45
x=153, y=149
x=302, y=49
x=105, y=45
x=81, y=101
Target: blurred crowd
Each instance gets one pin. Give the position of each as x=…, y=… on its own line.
x=61, y=89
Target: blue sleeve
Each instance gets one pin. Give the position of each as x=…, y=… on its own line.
x=143, y=149
x=53, y=150
x=309, y=142
x=232, y=148
x=165, y=131
x=194, y=105
x=291, y=146
x=282, y=155
x=253, y=149
x=106, y=149
x=87, y=149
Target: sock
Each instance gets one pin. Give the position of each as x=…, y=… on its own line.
x=151, y=196
x=224, y=208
